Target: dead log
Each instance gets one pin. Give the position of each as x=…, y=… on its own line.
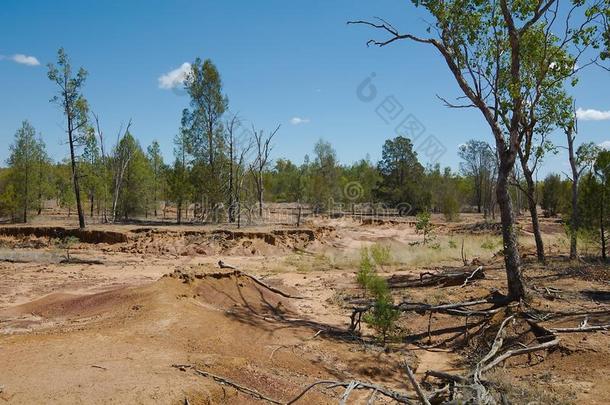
x=443, y=279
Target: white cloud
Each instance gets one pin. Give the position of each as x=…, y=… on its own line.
x=592, y=115
x=25, y=60
x=22, y=59
x=605, y=145
x=299, y=120
x=174, y=78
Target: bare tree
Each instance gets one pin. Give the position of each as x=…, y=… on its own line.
x=262, y=148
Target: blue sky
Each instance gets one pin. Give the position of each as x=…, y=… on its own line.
x=279, y=60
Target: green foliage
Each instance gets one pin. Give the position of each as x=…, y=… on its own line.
x=381, y=254
x=400, y=172
x=383, y=315
x=551, y=194
x=366, y=269
x=29, y=166
x=423, y=224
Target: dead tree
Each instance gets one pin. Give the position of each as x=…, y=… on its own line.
x=263, y=149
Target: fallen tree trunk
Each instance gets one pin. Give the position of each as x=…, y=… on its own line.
x=444, y=279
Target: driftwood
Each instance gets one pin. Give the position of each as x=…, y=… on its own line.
x=223, y=265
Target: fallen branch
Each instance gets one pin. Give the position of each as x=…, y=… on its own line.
x=480, y=268
x=223, y=265
x=581, y=329
x=226, y=381
x=396, y=396
x=446, y=376
x=445, y=279
x=420, y=393
x=517, y=352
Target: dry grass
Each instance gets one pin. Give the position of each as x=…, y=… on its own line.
x=516, y=391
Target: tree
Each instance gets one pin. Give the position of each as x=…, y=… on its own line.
x=180, y=188
x=133, y=192
x=205, y=128
x=43, y=174
x=26, y=154
x=156, y=163
x=551, y=193
x=478, y=164
x=262, y=148
x=602, y=172
x=483, y=48
x=90, y=167
x=401, y=174
x=75, y=109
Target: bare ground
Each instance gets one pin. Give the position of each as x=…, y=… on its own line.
x=110, y=332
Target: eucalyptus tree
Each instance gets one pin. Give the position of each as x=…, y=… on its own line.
x=204, y=121
x=25, y=156
x=75, y=109
x=156, y=163
x=483, y=44
x=478, y=164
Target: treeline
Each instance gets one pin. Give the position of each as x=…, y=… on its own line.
x=222, y=167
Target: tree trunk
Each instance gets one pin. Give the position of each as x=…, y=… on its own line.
x=179, y=213
x=601, y=222
x=512, y=261
x=92, y=204
x=79, y=205
x=574, y=221
x=533, y=208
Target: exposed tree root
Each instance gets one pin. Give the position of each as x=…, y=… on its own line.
x=349, y=385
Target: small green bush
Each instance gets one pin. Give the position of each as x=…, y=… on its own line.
x=383, y=316
x=452, y=244
x=423, y=224
x=366, y=270
x=381, y=254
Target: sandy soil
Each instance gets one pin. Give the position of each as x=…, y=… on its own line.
x=110, y=332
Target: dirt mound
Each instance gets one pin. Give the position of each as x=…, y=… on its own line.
x=220, y=290
x=119, y=346
x=56, y=232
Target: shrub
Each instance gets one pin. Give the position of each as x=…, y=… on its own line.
x=381, y=254
x=423, y=224
x=383, y=316
x=366, y=270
